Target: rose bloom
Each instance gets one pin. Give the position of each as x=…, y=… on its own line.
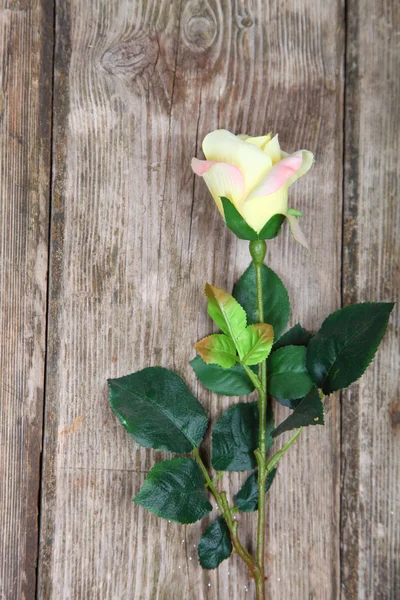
x=254, y=174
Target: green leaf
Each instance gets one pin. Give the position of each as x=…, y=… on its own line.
x=235, y=438
x=228, y=382
x=158, y=410
x=272, y=227
x=296, y=336
x=255, y=343
x=174, y=489
x=276, y=299
x=236, y=223
x=309, y=411
x=215, y=545
x=346, y=344
x=247, y=497
x=288, y=378
x=225, y=311
x=217, y=349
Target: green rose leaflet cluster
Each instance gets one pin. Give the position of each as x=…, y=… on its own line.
x=159, y=411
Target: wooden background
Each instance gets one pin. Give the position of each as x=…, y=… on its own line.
x=106, y=241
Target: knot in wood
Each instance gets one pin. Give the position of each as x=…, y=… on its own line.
x=246, y=22
x=199, y=29
x=132, y=58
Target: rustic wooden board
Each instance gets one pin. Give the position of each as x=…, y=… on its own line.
x=25, y=95
x=370, y=521
x=134, y=238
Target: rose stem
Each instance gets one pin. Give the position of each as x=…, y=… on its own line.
x=258, y=250
x=232, y=524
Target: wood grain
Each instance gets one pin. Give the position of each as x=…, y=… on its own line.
x=135, y=237
x=370, y=522
x=25, y=96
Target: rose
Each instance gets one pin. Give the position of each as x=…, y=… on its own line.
x=254, y=174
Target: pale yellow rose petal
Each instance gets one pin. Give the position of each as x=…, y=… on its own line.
x=297, y=232
x=225, y=180
x=307, y=162
x=223, y=146
x=259, y=141
x=273, y=150
x=258, y=211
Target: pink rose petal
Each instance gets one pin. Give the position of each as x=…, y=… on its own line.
x=278, y=176
x=201, y=166
x=222, y=179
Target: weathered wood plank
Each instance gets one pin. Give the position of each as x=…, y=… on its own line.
x=25, y=95
x=371, y=409
x=305, y=86
x=134, y=238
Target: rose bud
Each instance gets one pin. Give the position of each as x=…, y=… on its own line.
x=254, y=174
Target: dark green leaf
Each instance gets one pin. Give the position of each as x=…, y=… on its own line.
x=236, y=223
x=247, y=497
x=235, y=438
x=309, y=411
x=288, y=378
x=276, y=299
x=174, y=489
x=157, y=408
x=228, y=382
x=215, y=545
x=272, y=227
x=296, y=336
x=346, y=344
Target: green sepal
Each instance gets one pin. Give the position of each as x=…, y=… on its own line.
x=247, y=497
x=272, y=228
x=288, y=378
x=227, y=382
x=275, y=297
x=236, y=222
x=296, y=336
x=309, y=411
x=346, y=344
x=158, y=410
x=175, y=490
x=235, y=438
x=215, y=545
x=294, y=212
